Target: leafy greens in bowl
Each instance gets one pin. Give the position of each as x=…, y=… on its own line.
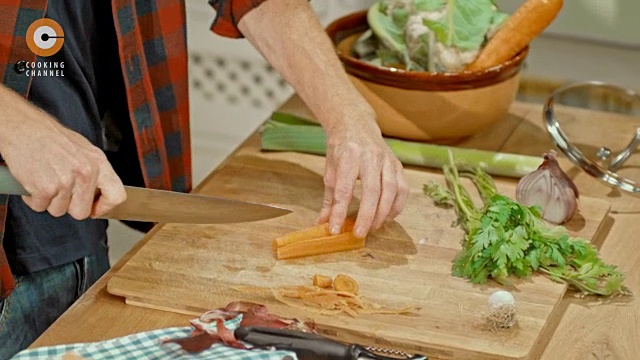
x=428, y=35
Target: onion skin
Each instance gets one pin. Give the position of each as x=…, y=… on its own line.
x=551, y=189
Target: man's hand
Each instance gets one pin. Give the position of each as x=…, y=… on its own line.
x=356, y=152
x=62, y=171
x=291, y=38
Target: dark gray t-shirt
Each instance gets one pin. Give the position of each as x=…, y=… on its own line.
x=92, y=83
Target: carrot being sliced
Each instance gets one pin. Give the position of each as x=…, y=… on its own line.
x=323, y=245
x=314, y=232
x=526, y=23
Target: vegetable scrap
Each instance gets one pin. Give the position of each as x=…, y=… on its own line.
x=504, y=238
x=450, y=36
x=345, y=283
x=341, y=298
x=316, y=240
x=551, y=189
x=502, y=311
x=322, y=281
x=252, y=315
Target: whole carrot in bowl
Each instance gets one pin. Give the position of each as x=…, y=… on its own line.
x=439, y=71
x=515, y=34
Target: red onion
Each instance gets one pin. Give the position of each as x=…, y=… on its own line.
x=551, y=189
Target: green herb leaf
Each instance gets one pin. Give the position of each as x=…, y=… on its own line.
x=391, y=34
x=465, y=25
x=429, y=5
x=506, y=238
x=438, y=193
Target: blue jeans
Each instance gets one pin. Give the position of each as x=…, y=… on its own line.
x=40, y=298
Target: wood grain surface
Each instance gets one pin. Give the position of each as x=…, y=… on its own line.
x=191, y=269
x=589, y=329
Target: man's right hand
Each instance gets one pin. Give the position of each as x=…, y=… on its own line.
x=62, y=171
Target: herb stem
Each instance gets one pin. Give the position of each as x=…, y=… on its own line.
x=505, y=238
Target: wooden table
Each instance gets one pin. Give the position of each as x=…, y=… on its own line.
x=586, y=331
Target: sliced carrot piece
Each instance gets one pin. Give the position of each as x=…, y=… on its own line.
x=323, y=245
x=322, y=281
x=314, y=232
x=345, y=283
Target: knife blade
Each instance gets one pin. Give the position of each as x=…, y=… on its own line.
x=162, y=206
x=309, y=346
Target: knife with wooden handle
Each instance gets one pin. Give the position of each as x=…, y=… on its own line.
x=161, y=206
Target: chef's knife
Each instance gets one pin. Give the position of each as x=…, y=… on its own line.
x=161, y=206
x=309, y=346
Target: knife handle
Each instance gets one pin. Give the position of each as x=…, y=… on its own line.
x=8, y=184
x=306, y=346
x=309, y=346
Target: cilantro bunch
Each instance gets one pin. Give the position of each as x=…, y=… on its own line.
x=504, y=238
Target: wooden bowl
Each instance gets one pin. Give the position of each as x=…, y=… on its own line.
x=438, y=107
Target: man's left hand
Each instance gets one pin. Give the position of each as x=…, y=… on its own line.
x=290, y=36
x=356, y=150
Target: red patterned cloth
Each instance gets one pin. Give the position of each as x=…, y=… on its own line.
x=153, y=54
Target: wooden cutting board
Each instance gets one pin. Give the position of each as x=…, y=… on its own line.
x=190, y=269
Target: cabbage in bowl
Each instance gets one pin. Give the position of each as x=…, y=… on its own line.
x=428, y=35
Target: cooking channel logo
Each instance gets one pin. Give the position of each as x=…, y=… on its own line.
x=45, y=38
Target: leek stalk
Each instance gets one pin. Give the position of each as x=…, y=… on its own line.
x=286, y=132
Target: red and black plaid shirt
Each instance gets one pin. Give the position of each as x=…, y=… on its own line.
x=153, y=55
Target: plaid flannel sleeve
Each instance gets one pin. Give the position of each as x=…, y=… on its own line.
x=228, y=15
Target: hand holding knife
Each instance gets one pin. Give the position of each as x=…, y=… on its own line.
x=161, y=206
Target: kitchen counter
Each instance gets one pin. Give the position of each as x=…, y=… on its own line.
x=588, y=330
